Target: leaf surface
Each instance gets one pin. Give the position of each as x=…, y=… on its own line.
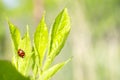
x=15, y=35
x=41, y=39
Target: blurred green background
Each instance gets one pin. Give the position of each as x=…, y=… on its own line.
x=94, y=40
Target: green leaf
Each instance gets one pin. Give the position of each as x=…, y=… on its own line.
x=41, y=39
x=15, y=35
x=9, y=72
x=25, y=45
x=50, y=72
x=59, y=33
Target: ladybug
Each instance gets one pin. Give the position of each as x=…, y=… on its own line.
x=21, y=53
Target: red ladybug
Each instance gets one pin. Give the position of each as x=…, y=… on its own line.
x=21, y=53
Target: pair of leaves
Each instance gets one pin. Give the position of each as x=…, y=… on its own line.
x=55, y=43
x=21, y=43
x=58, y=35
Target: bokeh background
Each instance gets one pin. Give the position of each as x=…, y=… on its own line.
x=94, y=40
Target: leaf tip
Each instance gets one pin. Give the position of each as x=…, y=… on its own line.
x=43, y=16
x=65, y=10
x=27, y=27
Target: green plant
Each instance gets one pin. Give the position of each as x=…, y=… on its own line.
x=34, y=56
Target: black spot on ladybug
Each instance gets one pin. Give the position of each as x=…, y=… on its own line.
x=21, y=53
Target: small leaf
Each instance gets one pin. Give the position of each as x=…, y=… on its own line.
x=50, y=72
x=41, y=39
x=59, y=33
x=25, y=45
x=15, y=35
x=9, y=72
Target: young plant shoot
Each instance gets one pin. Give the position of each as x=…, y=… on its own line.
x=28, y=56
